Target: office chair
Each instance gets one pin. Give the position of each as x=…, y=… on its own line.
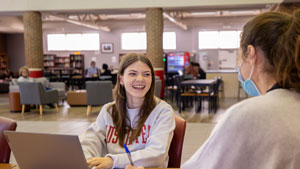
x=5, y=124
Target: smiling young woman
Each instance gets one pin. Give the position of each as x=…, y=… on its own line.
x=136, y=118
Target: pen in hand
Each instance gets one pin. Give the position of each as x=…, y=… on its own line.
x=128, y=154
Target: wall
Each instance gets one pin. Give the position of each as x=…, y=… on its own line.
x=15, y=51
x=186, y=40
x=3, y=43
x=231, y=84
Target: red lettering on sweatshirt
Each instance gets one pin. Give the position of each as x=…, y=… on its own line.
x=112, y=135
x=149, y=127
x=137, y=139
x=115, y=138
x=144, y=139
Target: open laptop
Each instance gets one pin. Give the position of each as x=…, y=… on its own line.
x=46, y=151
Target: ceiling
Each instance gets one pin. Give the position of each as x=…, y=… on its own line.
x=11, y=22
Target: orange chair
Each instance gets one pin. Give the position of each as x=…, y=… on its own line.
x=5, y=124
x=175, y=150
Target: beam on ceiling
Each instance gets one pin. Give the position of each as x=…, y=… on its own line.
x=176, y=22
x=80, y=23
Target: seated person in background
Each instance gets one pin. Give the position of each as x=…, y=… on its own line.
x=261, y=132
x=6, y=74
x=136, y=118
x=24, y=75
x=201, y=72
x=93, y=71
x=105, y=71
x=191, y=70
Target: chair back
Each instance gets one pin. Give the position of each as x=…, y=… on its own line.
x=98, y=92
x=30, y=92
x=5, y=124
x=157, y=90
x=175, y=150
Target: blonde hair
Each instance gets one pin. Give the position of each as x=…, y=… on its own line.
x=24, y=68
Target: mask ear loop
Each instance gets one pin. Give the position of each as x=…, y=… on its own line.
x=251, y=73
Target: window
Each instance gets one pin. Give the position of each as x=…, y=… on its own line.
x=56, y=42
x=138, y=41
x=169, y=40
x=219, y=39
x=208, y=39
x=134, y=41
x=73, y=42
x=229, y=39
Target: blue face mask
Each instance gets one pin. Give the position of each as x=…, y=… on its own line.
x=248, y=85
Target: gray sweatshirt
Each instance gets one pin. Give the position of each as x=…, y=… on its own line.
x=258, y=133
x=150, y=149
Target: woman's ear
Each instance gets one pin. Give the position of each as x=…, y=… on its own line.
x=252, y=54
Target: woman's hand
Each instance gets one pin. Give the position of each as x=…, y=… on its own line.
x=132, y=167
x=100, y=162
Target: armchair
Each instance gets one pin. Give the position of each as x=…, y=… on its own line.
x=59, y=86
x=5, y=124
x=34, y=93
x=98, y=93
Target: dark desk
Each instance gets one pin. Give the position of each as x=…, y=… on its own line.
x=201, y=83
x=60, y=69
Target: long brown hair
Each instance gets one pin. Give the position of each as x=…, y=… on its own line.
x=118, y=109
x=278, y=36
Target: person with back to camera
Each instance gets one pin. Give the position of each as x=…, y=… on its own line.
x=136, y=118
x=105, y=71
x=261, y=132
x=201, y=72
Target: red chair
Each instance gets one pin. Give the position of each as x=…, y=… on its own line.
x=5, y=124
x=175, y=150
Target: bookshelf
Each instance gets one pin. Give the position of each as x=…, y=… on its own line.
x=49, y=61
x=52, y=62
x=63, y=62
x=77, y=62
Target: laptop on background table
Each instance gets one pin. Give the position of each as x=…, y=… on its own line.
x=46, y=151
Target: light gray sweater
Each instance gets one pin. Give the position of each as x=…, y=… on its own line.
x=150, y=149
x=258, y=133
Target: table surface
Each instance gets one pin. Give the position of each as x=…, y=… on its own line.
x=199, y=81
x=13, y=166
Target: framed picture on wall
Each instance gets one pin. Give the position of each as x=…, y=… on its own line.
x=107, y=48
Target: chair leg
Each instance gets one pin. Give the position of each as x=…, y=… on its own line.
x=89, y=109
x=23, y=109
x=56, y=107
x=37, y=107
x=41, y=109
